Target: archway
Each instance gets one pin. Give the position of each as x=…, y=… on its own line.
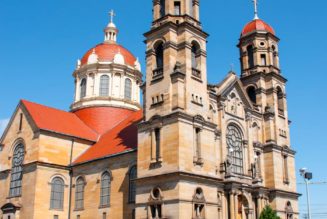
x=243, y=208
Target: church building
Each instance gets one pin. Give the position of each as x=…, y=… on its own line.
x=190, y=150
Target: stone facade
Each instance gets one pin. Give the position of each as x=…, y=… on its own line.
x=203, y=151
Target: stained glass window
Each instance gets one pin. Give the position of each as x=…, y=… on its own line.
x=17, y=171
x=235, y=150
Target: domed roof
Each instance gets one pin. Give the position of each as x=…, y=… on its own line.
x=106, y=53
x=257, y=25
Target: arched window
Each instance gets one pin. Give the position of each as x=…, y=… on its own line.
x=104, y=85
x=17, y=171
x=57, y=193
x=132, y=186
x=159, y=55
x=195, y=55
x=235, y=148
x=128, y=89
x=83, y=88
x=252, y=94
x=79, y=193
x=275, y=61
x=105, y=189
x=280, y=102
x=162, y=8
x=249, y=50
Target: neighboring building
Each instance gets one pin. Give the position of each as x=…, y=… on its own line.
x=196, y=150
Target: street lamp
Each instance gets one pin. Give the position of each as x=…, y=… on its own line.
x=306, y=176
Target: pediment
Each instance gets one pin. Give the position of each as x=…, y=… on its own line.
x=20, y=109
x=233, y=86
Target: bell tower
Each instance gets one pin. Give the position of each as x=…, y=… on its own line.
x=266, y=88
x=176, y=137
x=261, y=75
x=176, y=60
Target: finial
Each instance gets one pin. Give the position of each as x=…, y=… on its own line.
x=112, y=15
x=256, y=17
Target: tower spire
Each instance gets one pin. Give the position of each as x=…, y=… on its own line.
x=110, y=32
x=255, y=2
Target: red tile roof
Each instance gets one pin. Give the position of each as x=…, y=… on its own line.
x=257, y=25
x=102, y=119
x=107, y=52
x=115, y=126
x=59, y=121
x=121, y=138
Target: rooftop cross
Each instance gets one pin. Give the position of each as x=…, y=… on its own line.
x=112, y=15
x=256, y=17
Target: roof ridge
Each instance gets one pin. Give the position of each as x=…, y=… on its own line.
x=110, y=134
x=49, y=107
x=120, y=123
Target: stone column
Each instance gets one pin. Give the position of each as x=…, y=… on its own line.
x=231, y=205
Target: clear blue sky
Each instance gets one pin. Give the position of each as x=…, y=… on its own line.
x=41, y=40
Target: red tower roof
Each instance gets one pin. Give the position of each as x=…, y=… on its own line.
x=107, y=52
x=257, y=25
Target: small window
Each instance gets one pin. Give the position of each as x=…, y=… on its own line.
x=162, y=8
x=195, y=55
x=54, y=217
x=285, y=167
x=252, y=94
x=280, y=102
x=128, y=89
x=159, y=56
x=83, y=88
x=157, y=139
x=132, y=185
x=105, y=189
x=57, y=193
x=198, y=142
x=104, y=215
x=263, y=60
x=104, y=85
x=20, y=121
x=177, y=8
x=250, y=56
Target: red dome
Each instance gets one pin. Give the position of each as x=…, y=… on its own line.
x=257, y=25
x=107, y=52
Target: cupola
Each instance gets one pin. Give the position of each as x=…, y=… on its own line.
x=108, y=75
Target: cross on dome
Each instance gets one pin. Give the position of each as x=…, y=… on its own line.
x=255, y=2
x=112, y=15
x=111, y=31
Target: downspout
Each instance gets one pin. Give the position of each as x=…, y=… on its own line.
x=70, y=178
